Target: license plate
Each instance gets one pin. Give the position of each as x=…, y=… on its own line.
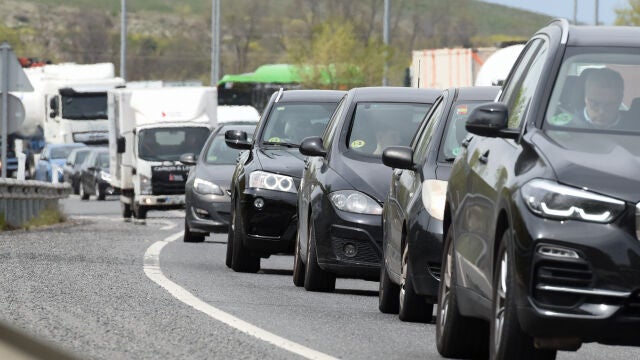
x=176, y=177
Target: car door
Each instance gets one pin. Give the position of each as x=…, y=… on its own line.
x=405, y=185
x=491, y=162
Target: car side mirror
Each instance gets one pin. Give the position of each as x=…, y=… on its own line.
x=91, y=168
x=188, y=159
x=55, y=106
x=237, y=139
x=312, y=146
x=398, y=157
x=491, y=120
x=120, y=144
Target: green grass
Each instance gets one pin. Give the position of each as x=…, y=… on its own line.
x=49, y=216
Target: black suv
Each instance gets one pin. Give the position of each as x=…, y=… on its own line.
x=543, y=202
x=265, y=182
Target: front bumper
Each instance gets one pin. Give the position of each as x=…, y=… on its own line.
x=272, y=228
x=208, y=213
x=424, y=240
x=593, y=293
x=160, y=202
x=337, y=230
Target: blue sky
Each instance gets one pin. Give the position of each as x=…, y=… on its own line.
x=564, y=8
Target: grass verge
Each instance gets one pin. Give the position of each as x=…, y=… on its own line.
x=49, y=216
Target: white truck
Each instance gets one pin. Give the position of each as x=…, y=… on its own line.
x=68, y=104
x=149, y=129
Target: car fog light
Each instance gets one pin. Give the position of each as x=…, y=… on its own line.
x=201, y=212
x=258, y=203
x=147, y=201
x=350, y=250
x=557, y=252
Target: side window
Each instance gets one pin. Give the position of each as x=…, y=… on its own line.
x=330, y=131
x=422, y=141
x=520, y=91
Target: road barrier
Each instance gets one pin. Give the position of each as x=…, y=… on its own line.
x=23, y=200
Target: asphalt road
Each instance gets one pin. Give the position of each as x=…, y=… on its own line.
x=96, y=287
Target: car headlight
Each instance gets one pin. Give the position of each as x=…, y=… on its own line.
x=434, y=193
x=104, y=175
x=205, y=187
x=355, y=202
x=552, y=200
x=145, y=185
x=271, y=181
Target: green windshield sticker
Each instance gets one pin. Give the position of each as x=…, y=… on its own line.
x=561, y=119
x=280, y=108
x=274, y=139
x=357, y=144
x=456, y=151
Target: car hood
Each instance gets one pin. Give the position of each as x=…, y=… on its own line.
x=281, y=160
x=603, y=163
x=217, y=174
x=369, y=176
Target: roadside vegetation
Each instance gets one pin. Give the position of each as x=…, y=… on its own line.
x=49, y=216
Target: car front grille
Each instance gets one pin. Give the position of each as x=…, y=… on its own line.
x=562, y=274
x=365, y=251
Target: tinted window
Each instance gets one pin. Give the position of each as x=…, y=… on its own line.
x=420, y=148
x=333, y=123
x=85, y=107
x=456, y=131
x=219, y=153
x=80, y=156
x=167, y=144
x=61, y=152
x=376, y=126
x=103, y=160
x=292, y=122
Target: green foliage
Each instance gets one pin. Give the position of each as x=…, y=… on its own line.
x=629, y=16
x=48, y=216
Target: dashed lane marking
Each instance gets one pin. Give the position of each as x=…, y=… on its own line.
x=153, y=271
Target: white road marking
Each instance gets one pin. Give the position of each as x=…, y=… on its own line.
x=168, y=224
x=153, y=271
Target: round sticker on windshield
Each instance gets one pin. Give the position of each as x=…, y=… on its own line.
x=561, y=119
x=357, y=144
x=456, y=151
x=274, y=139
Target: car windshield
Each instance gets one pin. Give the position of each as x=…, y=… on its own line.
x=597, y=90
x=290, y=123
x=103, y=160
x=218, y=153
x=85, y=106
x=376, y=126
x=80, y=156
x=456, y=131
x=167, y=144
x=61, y=152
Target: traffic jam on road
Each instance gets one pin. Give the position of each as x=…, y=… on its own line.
x=505, y=220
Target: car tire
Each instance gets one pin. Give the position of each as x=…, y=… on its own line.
x=229, y=255
x=507, y=339
x=316, y=279
x=298, y=265
x=412, y=307
x=387, y=292
x=126, y=210
x=457, y=336
x=189, y=236
x=83, y=194
x=76, y=187
x=100, y=195
x=139, y=212
x=242, y=260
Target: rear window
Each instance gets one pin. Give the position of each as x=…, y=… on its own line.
x=376, y=126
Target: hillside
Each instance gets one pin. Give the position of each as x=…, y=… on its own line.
x=171, y=40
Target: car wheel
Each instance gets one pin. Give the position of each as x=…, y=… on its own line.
x=316, y=279
x=230, y=235
x=457, y=336
x=242, y=260
x=508, y=341
x=298, y=265
x=126, y=210
x=190, y=236
x=99, y=194
x=76, y=187
x=387, y=292
x=139, y=212
x=412, y=307
x=83, y=194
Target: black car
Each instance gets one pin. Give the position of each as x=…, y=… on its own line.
x=207, y=200
x=95, y=177
x=345, y=183
x=265, y=182
x=542, y=208
x=413, y=210
x=73, y=167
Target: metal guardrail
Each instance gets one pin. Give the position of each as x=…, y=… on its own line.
x=22, y=200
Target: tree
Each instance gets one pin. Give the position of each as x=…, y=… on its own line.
x=629, y=16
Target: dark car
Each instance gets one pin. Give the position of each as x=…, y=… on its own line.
x=541, y=215
x=345, y=183
x=266, y=179
x=207, y=200
x=95, y=177
x=414, y=207
x=72, y=167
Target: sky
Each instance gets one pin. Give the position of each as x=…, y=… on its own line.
x=564, y=8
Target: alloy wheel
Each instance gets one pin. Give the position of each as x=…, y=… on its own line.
x=445, y=289
x=501, y=298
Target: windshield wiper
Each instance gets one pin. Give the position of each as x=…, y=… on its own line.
x=278, y=143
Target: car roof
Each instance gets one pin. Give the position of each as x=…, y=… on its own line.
x=395, y=94
x=477, y=93
x=311, y=95
x=586, y=35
